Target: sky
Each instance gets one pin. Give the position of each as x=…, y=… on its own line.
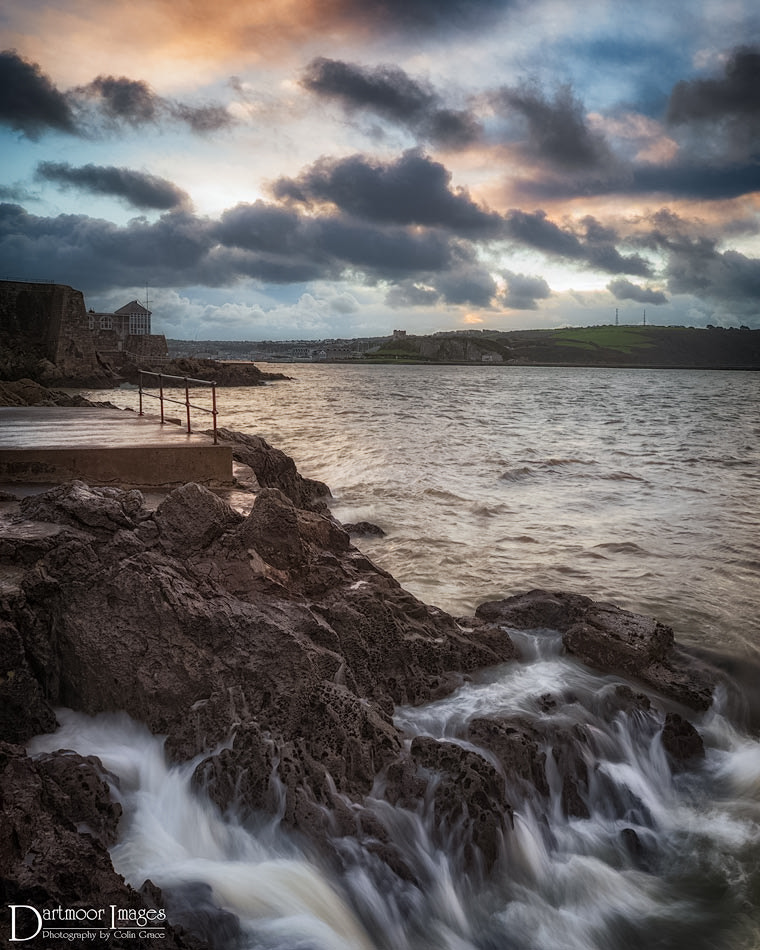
x=306, y=169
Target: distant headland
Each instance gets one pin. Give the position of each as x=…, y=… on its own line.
x=616, y=346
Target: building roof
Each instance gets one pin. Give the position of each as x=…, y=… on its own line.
x=133, y=306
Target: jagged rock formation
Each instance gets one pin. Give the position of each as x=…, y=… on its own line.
x=611, y=640
x=272, y=636
x=224, y=374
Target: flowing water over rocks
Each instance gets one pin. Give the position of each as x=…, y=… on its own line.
x=346, y=767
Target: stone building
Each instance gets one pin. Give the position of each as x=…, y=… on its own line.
x=126, y=333
x=49, y=322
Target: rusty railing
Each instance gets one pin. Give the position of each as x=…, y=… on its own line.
x=186, y=381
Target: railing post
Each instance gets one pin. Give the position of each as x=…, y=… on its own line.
x=162, y=398
x=213, y=409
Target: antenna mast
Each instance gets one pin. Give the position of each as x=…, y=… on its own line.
x=616, y=316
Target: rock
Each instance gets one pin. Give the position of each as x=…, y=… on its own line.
x=611, y=640
x=104, y=510
x=24, y=711
x=517, y=749
x=275, y=651
x=271, y=529
x=536, y=609
x=275, y=469
x=681, y=741
x=223, y=373
x=364, y=529
x=26, y=392
x=191, y=517
x=471, y=808
x=57, y=821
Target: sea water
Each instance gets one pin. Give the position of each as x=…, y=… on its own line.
x=635, y=486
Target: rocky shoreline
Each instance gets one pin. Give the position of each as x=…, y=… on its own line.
x=268, y=637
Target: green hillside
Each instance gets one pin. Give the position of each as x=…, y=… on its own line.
x=652, y=346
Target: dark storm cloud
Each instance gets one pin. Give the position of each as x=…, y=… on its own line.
x=412, y=190
x=524, y=291
x=391, y=93
x=695, y=265
x=134, y=102
x=699, y=268
x=129, y=100
x=464, y=283
x=595, y=246
x=700, y=181
x=624, y=290
x=410, y=293
x=735, y=94
x=94, y=254
x=708, y=180
x=328, y=245
x=556, y=129
x=722, y=113
x=468, y=284
x=29, y=101
x=138, y=189
x=201, y=119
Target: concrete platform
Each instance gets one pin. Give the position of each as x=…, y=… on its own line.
x=49, y=445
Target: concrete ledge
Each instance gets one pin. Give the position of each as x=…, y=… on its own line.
x=129, y=468
x=48, y=445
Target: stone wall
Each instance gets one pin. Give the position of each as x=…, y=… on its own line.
x=49, y=321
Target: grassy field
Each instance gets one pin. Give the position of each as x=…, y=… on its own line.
x=622, y=339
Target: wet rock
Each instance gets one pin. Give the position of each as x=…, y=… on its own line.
x=24, y=711
x=681, y=741
x=191, y=517
x=104, y=510
x=271, y=529
x=471, y=808
x=536, y=609
x=26, y=392
x=56, y=823
x=192, y=906
x=612, y=640
x=517, y=749
x=572, y=769
x=364, y=529
x=272, y=646
x=275, y=469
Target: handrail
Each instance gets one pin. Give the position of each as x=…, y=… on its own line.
x=186, y=402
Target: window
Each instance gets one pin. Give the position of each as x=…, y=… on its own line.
x=139, y=324
x=106, y=321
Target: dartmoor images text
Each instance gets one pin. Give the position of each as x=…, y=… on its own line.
x=83, y=923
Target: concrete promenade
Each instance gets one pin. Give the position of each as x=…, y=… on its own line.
x=49, y=445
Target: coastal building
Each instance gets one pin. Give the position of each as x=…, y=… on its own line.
x=51, y=321
x=127, y=333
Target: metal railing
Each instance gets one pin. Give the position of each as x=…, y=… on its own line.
x=186, y=381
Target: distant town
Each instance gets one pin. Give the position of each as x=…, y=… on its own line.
x=608, y=345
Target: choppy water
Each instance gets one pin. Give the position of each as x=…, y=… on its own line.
x=635, y=486
x=638, y=487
